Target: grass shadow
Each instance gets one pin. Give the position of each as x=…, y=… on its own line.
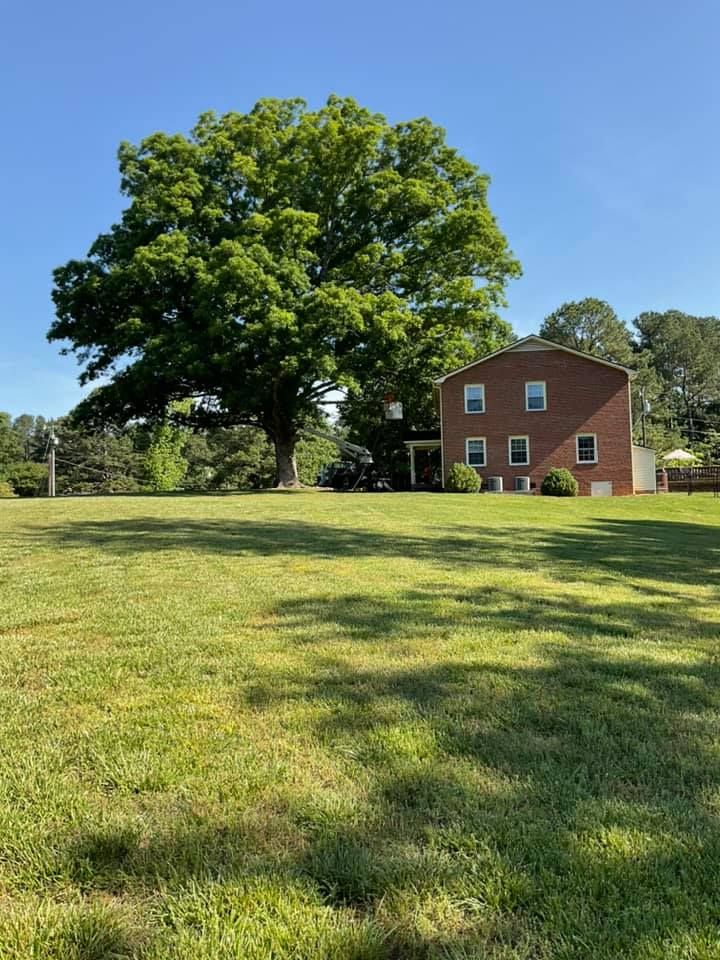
x=605, y=547
x=562, y=808
x=551, y=798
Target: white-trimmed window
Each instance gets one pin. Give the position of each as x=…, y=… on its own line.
x=519, y=451
x=475, y=451
x=474, y=398
x=586, y=448
x=535, y=395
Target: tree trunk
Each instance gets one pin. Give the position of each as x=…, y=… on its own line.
x=286, y=467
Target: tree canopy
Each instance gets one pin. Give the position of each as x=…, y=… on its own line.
x=676, y=357
x=11, y=447
x=274, y=256
x=591, y=326
x=686, y=357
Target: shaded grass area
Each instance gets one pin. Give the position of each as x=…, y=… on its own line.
x=359, y=727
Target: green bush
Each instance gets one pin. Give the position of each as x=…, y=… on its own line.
x=559, y=482
x=27, y=479
x=463, y=479
x=113, y=484
x=6, y=490
x=165, y=465
x=313, y=454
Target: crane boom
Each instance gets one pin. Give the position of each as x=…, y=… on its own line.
x=355, y=452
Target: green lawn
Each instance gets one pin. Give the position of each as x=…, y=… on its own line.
x=295, y=726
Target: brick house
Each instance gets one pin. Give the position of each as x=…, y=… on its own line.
x=514, y=414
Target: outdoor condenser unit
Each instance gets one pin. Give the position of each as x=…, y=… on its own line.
x=522, y=485
x=494, y=485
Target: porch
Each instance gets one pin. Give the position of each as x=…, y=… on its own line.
x=425, y=461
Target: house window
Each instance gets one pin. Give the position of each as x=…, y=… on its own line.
x=518, y=451
x=475, y=398
x=475, y=451
x=586, y=448
x=535, y=395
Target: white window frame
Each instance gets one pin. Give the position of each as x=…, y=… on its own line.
x=468, y=440
x=535, y=383
x=577, y=448
x=467, y=387
x=519, y=463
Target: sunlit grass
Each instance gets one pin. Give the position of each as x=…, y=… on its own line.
x=356, y=726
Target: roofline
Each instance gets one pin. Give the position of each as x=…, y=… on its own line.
x=535, y=339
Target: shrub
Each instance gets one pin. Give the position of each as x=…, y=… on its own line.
x=113, y=484
x=164, y=463
x=559, y=482
x=313, y=454
x=463, y=479
x=6, y=490
x=27, y=479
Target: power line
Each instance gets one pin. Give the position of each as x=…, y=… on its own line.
x=79, y=466
x=715, y=422
x=100, y=473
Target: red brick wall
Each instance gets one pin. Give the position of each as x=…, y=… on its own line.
x=582, y=397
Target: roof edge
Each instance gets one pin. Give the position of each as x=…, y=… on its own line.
x=534, y=338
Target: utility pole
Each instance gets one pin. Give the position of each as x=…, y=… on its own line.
x=51, y=462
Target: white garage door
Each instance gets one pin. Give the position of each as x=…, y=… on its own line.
x=601, y=488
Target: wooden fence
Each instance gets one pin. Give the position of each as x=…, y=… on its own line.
x=694, y=478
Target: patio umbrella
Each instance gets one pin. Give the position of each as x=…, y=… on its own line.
x=680, y=455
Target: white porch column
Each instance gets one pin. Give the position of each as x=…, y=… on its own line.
x=412, y=466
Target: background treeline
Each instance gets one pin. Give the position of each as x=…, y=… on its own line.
x=138, y=458
x=677, y=359
x=677, y=384
x=676, y=356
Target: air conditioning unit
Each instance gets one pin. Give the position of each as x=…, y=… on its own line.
x=521, y=485
x=494, y=485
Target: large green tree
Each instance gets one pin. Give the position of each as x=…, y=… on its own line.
x=685, y=353
x=32, y=433
x=11, y=448
x=273, y=256
x=591, y=326
x=165, y=464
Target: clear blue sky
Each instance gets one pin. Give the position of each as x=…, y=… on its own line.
x=598, y=123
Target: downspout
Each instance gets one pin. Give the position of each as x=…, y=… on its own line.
x=442, y=439
x=632, y=441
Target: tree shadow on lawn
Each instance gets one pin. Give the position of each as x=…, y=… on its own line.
x=563, y=808
x=596, y=831
x=671, y=552
x=439, y=610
